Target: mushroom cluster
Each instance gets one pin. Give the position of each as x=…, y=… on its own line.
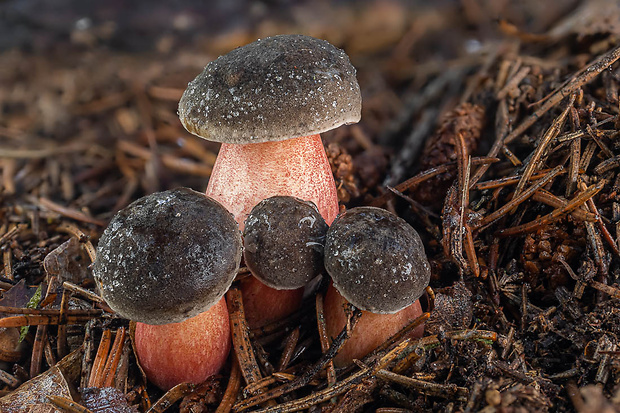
x=375, y=259
x=267, y=102
x=167, y=259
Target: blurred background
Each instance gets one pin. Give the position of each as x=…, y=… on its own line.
x=88, y=90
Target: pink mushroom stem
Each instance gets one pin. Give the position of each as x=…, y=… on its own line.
x=244, y=175
x=370, y=331
x=189, y=351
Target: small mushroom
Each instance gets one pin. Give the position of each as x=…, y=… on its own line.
x=165, y=261
x=283, y=242
x=377, y=263
x=267, y=102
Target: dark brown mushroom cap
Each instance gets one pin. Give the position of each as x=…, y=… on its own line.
x=168, y=256
x=274, y=89
x=376, y=260
x=283, y=242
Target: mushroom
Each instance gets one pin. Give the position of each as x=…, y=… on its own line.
x=377, y=263
x=283, y=242
x=166, y=261
x=267, y=102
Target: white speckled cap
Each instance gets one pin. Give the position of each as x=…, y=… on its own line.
x=376, y=260
x=167, y=257
x=274, y=89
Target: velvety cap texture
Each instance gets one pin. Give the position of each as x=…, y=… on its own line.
x=167, y=257
x=274, y=89
x=283, y=242
x=376, y=260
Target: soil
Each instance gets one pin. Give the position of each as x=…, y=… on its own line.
x=489, y=126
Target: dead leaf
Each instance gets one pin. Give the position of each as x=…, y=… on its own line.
x=453, y=309
x=18, y=295
x=10, y=346
x=31, y=397
x=69, y=262
x=106, y=399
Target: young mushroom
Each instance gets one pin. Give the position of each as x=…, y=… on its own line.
x=377, y=263
x=267, y=102
x=166, y=261
x=283, y=242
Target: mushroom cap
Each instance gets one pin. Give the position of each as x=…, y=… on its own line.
x=273, y=89
x=168, y=256
x=376, y=260
x=283, y=242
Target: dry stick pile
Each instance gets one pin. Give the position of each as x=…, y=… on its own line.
x=532, y=227
x=541, y=241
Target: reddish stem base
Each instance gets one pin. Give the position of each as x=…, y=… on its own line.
x=257, y=295
x=194, y=349
x=370, y=331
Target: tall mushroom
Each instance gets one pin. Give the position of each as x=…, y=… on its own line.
x=267, y=102
x=165, y=261
x=377, y=263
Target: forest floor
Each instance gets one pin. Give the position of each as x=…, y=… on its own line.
x=491, y=127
